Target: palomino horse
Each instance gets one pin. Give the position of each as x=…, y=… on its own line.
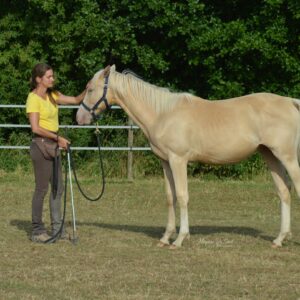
x=181, y=127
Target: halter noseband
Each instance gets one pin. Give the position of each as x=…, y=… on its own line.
x=102, y=99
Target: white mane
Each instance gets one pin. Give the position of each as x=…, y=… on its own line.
x=133, y=88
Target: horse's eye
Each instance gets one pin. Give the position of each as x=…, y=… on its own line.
x=90, y=91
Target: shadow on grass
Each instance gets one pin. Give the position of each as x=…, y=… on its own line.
x=22, y=225
x=157, y=231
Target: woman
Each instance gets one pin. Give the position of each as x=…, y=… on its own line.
x=42, y=109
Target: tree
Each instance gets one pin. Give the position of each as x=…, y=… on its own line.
x=212, y=48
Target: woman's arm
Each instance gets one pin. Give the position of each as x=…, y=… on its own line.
x=34, y=118
x=63, y=99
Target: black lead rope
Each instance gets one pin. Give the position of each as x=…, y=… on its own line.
x=54, y=187
x=54, y=238
x=101, y=171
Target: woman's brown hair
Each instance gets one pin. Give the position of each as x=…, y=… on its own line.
x=39, y=70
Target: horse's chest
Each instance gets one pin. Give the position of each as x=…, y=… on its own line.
x=159, y=151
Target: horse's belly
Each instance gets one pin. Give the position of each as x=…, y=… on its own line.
x=217, y=143
x=211, y=158
x=222, y=154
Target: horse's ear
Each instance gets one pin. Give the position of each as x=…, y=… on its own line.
x=106, y=71
x=113, y=68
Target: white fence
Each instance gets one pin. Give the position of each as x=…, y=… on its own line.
x=129, y=147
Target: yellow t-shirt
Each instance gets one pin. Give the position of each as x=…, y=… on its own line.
x=48, y=112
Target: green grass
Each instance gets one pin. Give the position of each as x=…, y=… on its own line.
x=229, y=255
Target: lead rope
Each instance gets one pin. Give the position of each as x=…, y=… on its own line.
x=101, y=169
x=54, y=238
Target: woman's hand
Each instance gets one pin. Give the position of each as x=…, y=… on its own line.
x=62, y=142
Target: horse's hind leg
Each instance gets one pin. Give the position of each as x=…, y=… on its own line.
x=171, y=202
x=283, y=188
x=178, y=166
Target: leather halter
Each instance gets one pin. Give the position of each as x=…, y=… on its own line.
x=102, y=99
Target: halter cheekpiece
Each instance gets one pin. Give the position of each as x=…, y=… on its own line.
x=102, y=99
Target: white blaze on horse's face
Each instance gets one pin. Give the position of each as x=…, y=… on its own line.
x=94, y=93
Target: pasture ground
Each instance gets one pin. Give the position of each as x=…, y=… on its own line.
x=229, y=255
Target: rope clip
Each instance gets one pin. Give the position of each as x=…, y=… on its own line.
x=97, y=131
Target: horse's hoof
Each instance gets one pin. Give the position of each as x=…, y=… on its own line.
x=174, y=247
x=161, y=244
x=276, y=246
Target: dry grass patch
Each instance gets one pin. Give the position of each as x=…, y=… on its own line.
x=229, y=255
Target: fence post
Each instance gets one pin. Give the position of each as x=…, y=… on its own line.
x=130, y=153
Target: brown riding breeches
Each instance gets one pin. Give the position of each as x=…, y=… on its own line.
x=43, y=173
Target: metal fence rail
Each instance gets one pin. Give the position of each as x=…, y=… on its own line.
x=65, y=126
x=129, y=148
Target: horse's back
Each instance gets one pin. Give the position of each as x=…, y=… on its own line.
x=225, y=131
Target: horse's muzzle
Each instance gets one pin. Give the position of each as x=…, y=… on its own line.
x=83, y=117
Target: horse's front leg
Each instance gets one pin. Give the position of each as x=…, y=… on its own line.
x=178, y=166
x=283, y=189
x=171, y=202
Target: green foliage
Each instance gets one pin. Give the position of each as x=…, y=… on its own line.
x=215, y=49
x=244, y=170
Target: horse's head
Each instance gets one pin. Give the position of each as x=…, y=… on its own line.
x=97, y=97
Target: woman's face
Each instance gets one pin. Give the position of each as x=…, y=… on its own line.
x=47, y=80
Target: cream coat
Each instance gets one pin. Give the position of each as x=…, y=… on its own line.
x=181, y=127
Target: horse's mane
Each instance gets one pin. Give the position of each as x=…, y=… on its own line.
x=129, y=86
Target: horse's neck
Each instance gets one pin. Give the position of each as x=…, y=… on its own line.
x=141, y=116
x=139, y=111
